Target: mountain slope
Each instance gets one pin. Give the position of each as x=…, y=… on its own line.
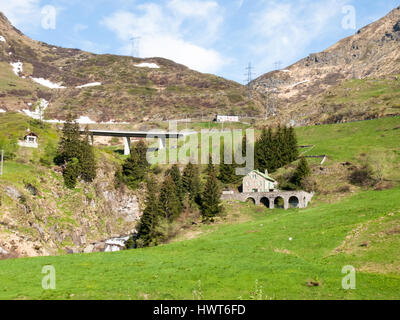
x=372, y=53
x=131, y=89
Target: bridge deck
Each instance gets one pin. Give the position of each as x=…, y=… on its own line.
x=134, y=134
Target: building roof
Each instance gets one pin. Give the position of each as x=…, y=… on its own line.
x=31, y=134
x=265, y=176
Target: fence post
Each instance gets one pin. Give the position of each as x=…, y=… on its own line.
x=2, y=160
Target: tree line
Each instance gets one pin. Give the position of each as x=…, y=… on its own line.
x=179, y=194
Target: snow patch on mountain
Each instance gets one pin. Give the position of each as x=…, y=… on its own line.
x=48, y=83
x=85, y=120
x=2, y=39
x=39, y=110
x=147, y=65
x=17, y=67
x=301, y=82
x=93, y=84
x=2, y=111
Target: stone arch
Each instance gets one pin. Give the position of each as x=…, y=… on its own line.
x=279, y=203
x=294, y=202
x=265, y=201
x=251, y=201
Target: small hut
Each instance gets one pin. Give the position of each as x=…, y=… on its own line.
x=30, y=141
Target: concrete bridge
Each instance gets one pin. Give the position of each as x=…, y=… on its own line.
x=127, y=135
x=277, y=199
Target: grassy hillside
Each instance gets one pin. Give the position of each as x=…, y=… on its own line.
x=229, y=260
x=249, y=255
x=355, y=99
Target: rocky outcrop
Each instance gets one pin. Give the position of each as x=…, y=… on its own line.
x=54, y=219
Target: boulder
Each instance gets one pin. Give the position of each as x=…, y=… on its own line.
x=89, y=249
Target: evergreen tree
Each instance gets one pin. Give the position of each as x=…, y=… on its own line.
x=69, y=146
x=265, y=151
x=210, y=167
x=191, y=182
x=279, y=143
x=71, y=173
x=135, y=168
x=175, y=174
x=170, y=204
x=302, y=171
x=292, y=142
x=148, y=231
x=211, y=200
x=87, y=161
x=227, y=172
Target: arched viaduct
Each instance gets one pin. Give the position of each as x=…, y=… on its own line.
x=277, y=199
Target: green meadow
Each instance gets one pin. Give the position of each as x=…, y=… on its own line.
x=249, y=260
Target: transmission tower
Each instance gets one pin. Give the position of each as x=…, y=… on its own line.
x=135, y=50
x=270, y=106
x=278, y=65
x=248, y=81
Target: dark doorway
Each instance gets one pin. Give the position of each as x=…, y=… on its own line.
x=265, y=202
x=251, y=201
x=279, y=203
x=294, y=202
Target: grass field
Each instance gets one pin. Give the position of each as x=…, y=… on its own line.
x=240, y=260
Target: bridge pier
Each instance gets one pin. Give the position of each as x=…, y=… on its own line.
x=272, y=203
x=127, y=146
x=162, y=143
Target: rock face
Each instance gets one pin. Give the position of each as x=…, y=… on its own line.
x=372, y=52
x=54, y=219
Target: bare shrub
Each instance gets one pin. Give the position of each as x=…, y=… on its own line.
x=363, y=176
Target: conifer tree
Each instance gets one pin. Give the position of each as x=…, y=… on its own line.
x=302, y=171
x=227, y=172
x=135, y=168
x=87, y=161
x=69, y=146
x=191, y=182
x=211, y=199
x=169, y=201
x=292, y=142
x=175, y=174
x=148, y=231
x=265, y=151
x=210, y=167
x=71, y=173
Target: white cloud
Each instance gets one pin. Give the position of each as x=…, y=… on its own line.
x=79, y=27
x=283, y=30
x=21, y=12
x=182, y=31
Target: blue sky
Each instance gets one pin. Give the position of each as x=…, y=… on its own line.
x=215, y=36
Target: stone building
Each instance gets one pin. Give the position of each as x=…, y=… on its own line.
x=256, y=182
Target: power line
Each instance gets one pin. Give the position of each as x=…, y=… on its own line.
x=135, y=50
x=249, y=80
